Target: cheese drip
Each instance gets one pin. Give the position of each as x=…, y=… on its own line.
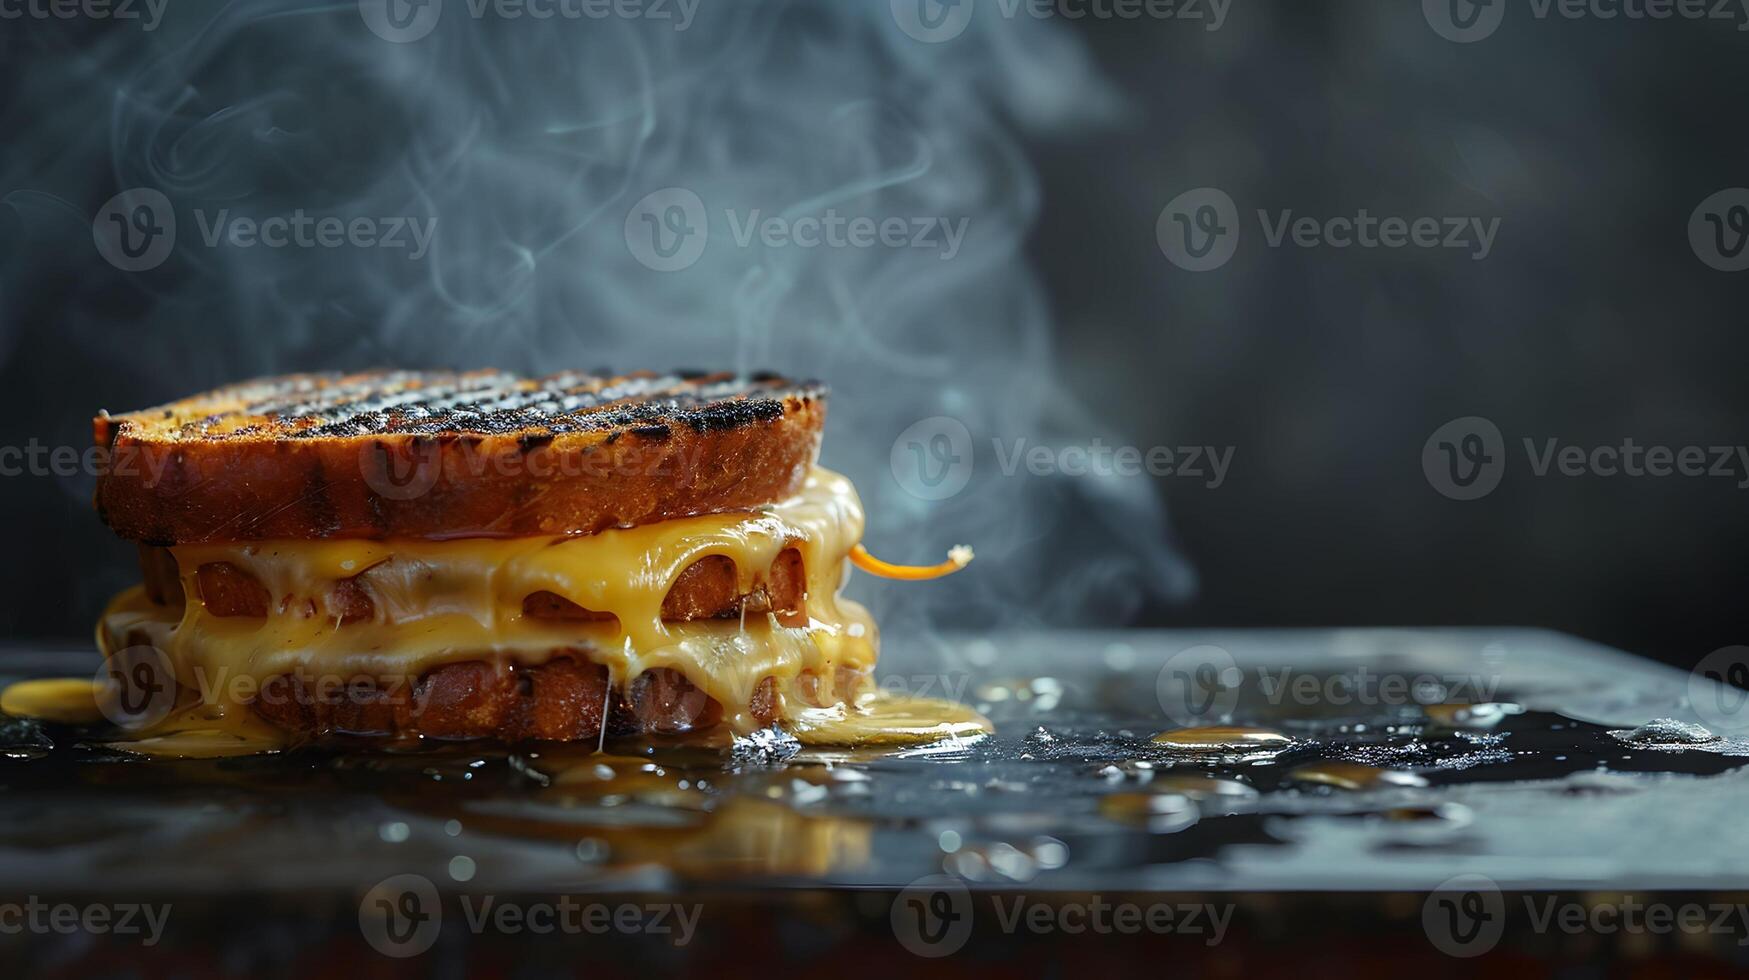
x=438, y=602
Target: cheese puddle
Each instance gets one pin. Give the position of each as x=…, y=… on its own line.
x=888, y=720
x=63, y=700
x=206, y=732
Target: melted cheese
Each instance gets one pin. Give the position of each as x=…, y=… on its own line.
x=438, y=602
x=67, y=700
x=880, y=720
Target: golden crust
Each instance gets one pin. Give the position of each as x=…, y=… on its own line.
x=444, y=455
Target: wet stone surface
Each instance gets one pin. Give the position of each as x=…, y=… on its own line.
x=1565, y=774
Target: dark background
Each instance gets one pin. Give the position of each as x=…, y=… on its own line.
x=1325, y=370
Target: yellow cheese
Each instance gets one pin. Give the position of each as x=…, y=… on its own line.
x=67, y=700
x=438, y=602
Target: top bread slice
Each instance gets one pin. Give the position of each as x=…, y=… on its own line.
x=442, y=455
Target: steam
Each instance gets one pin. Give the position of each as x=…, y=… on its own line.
x=529, y=141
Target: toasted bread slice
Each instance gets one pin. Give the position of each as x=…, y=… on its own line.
x=411, y=454
x=567, y=698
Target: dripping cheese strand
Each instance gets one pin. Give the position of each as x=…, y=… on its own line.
x=958, y=557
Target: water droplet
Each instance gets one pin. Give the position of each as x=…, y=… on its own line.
x=1162, y=813
x=1218, y=740
x=981, y=653
x=1011, y=862
x=453, y=828
x=1207, y=788
x=1050, y=853
x=1662, y=732
x=394, y=832
x=1352, y=776
x=765, y=747
x=461, y=867
x=1119, y=656
x=1484, y=715
x=1425, y=826
x=1040, y=694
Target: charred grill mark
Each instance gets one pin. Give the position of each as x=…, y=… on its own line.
x=480, y=404
x=321, y=509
